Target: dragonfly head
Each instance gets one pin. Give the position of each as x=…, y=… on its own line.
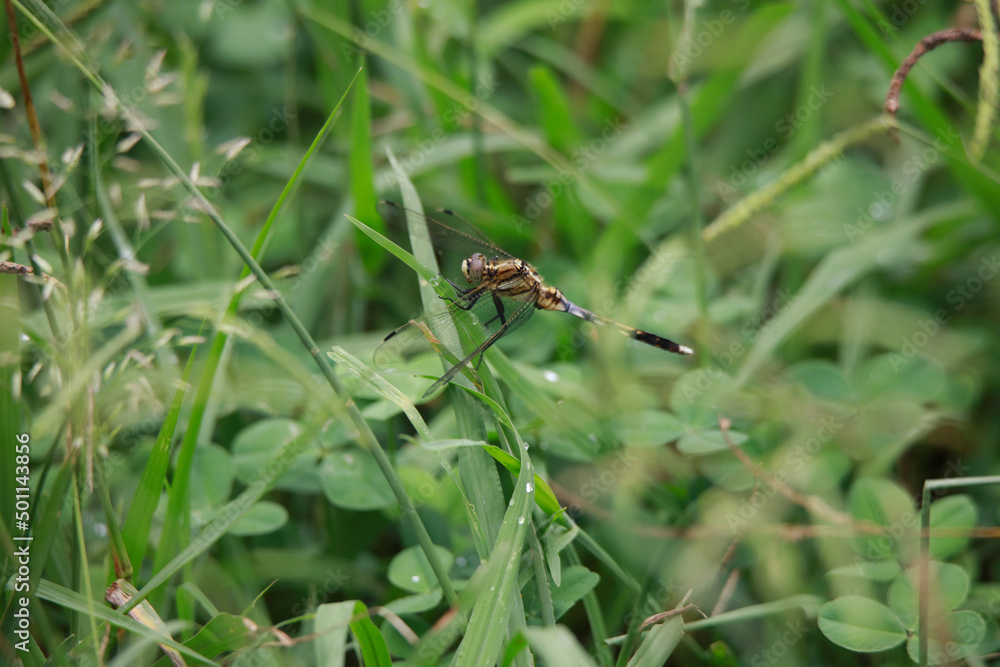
x=473, y=267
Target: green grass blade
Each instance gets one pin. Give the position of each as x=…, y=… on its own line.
x=659, y=643
x=363, y=168
x=373, y=647
x=836, y=272
x=989, y=81
x=139, y=521
x=384, y=388
x=544, y=496
x=495, y=585
x=404, y=256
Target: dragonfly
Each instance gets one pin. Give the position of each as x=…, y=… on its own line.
x=503, y=293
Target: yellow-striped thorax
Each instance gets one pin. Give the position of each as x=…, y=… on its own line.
x=514, y=279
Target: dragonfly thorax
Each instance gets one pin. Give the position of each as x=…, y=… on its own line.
x=473, y=267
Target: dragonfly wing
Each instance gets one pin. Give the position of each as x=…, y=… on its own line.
x=460, y=329
x=512, y=320
x=433, y=334
x=453, y=241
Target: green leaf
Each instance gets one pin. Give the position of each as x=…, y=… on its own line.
x=415, y=604
x=885, y=504
x=138, y=523
x=821, y=379
x=708, y=441
x=949, y=584
x=919, y=378
x=860, y=624
x=451, y=443
x=648, y=428
x=953, y=513
x=408, y=259
x=363, y=169
x=698, y=394
x=512, y=20
x=351, y=479
x=577, y=581
x=411, y=571
x=223, y=633
x=212, y=475
x=331, y=624
x=373, y=648
x=262, y=518
x=555, y=539
x=558, y=647
x=256, y=446
x=966, y=630
x=544, y=496
x=659, y=643
x=382, y=387
x=884, y=570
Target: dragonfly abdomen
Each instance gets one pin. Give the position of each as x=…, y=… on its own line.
x=554, y=300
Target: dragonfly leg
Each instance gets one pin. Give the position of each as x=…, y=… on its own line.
x=479, y=362
x=499, y=306
x=461, y=293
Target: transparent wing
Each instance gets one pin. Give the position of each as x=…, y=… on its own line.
x=461, y=328
x=519, y=317
x=453, y=241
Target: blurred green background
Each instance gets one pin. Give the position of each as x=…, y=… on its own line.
x=720, y=174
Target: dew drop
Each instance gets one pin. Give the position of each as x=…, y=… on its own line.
x=529, y=487
x=415, y=578
x=520, y=520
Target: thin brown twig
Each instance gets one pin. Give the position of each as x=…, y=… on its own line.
x=811, y=503
x=784, y=531
x=663, y=615
x=37, y=138
x=726, y=594
x=928, y=43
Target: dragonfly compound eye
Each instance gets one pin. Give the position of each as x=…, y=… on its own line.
x=472, y=268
